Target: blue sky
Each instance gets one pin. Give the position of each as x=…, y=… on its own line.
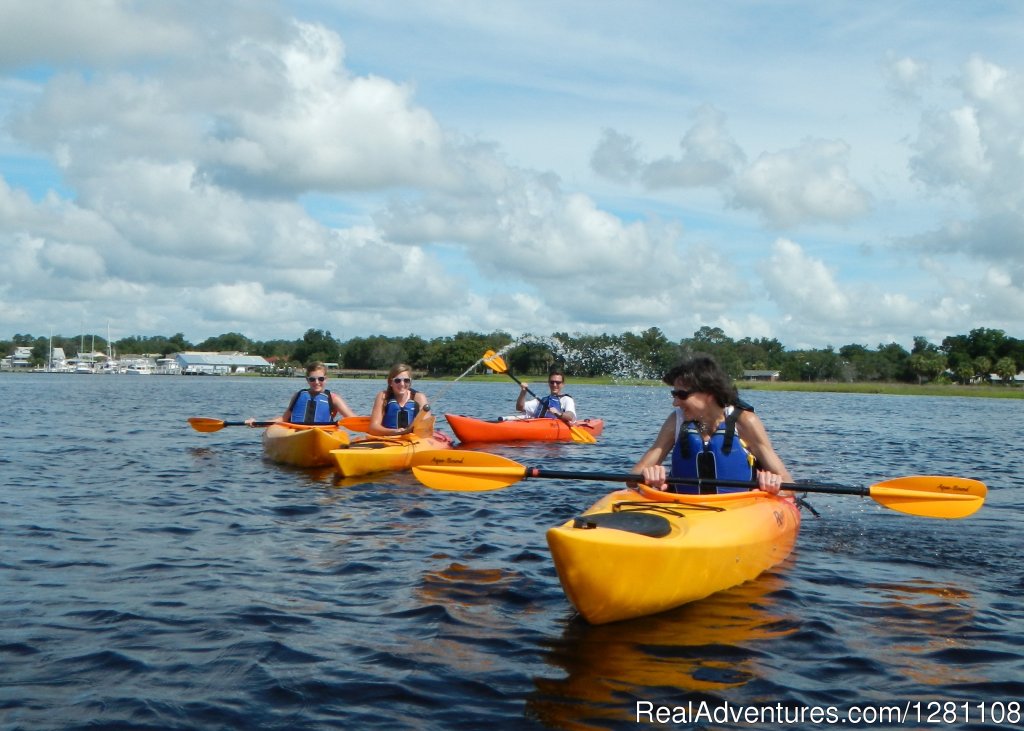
x=821, y=173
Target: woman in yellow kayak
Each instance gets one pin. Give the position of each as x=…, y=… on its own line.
x=395, y=408
x=316, y=404
x=710, y=434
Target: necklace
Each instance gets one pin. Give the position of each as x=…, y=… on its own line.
x=707, y=427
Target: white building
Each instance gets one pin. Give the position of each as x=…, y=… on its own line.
x=219, y=364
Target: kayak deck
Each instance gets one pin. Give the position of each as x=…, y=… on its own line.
x=631, y=555
x=367, y=455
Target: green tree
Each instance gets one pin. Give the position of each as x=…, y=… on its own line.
x=813, y=365
x=983, y=368
x=922, y=346
x=652, y=352
x=275, y=350
x=1006, y=369
x=927, y=366
x=530, y=358
x=895, y=363
x=714, y=342
x=317, y=345
x=452, y=356
x=964, y=372
x=761, y=354
x=40, y=352
x=227, y=343
x=985, y=342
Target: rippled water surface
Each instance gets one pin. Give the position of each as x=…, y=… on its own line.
x=156, y=577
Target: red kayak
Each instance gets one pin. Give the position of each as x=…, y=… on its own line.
x=468, y=429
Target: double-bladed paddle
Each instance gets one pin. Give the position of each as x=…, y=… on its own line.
x=932, y=496
x=497, y=364
x=207, y=424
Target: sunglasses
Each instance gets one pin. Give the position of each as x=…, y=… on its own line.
x=681, y=393
x=314, y=379
x=555, y=383
x=398, y=381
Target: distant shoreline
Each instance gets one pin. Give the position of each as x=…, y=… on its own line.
x=889, y=389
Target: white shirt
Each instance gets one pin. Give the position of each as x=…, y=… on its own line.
x=533, y=407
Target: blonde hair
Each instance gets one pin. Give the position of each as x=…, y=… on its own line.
x=398, y=368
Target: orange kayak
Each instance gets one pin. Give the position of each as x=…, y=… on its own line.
x=468, y=429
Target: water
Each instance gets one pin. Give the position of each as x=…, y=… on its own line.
x=157, y=578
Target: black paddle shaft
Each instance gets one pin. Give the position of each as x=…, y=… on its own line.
x=698, y=481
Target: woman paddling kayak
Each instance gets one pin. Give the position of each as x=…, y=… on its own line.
x=710, y=434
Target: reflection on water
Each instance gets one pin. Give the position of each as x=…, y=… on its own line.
x=704, y=648
x=923, y=621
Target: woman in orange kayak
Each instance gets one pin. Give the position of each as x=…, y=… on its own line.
x=395, y=408
x=710, y=434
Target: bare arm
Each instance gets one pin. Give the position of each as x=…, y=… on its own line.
x=339, y=405
x=521, y=401
x=377, y=427
x=650, y=464
x=771, y=469
x=288, y=411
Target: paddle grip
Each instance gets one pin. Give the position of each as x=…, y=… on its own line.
x=698, y=481
x=521, y=383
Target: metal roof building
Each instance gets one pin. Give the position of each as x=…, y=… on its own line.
x=219, y=364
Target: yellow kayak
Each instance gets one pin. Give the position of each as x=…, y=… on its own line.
x=632, y=554
x=367, y=455
x=303, y=446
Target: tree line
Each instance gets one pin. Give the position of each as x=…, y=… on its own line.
x=971, y=358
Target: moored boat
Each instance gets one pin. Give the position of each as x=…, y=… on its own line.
x=367, y=455
x=633, y=553
x=468, y=429
x=302, y=445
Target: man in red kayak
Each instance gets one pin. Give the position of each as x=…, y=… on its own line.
x=556, y=405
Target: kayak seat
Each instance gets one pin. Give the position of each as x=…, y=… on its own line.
x=645, y=524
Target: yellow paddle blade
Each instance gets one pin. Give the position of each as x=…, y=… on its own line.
x=356, y=423
x=495, y=362
x=464, y=471
x=423, y=424
x=581, y=435
x=931, y=496
x=206, y=424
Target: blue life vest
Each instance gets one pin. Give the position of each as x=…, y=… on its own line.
x=549, y=402
x=311, y=410
x=400, y=417
x=723, y=456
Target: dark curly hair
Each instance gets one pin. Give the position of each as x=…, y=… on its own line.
x=702, y=373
